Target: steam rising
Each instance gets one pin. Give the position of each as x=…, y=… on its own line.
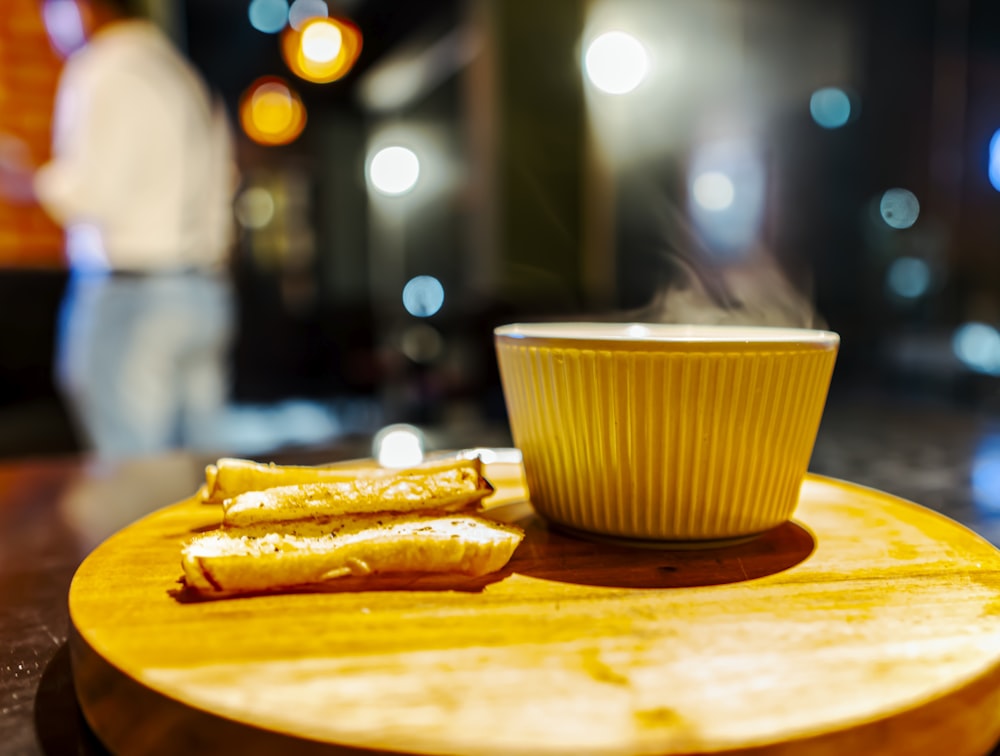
x=755, y=295
x=752, y=291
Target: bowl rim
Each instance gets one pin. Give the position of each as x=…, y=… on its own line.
x=669, y=333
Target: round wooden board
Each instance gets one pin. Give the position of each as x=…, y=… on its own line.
x=868, y=625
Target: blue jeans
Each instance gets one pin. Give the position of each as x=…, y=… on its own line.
x=143, y=361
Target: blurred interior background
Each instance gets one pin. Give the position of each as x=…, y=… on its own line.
x=427, y=171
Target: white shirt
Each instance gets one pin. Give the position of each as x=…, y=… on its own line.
x=142, y=169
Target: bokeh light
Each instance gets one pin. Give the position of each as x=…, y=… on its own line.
x=616, y=62
x=422, y=343
x=492, y=455
x=899, y=208
x=909, y=277
x=994, y=168
x=727, y=185
x=714, y=191
x=268, y=16
x=423, y=296
x=321, y=42
x=271, y=113
x=977, y=345
x=830, y=107
x=398, y=446
x=303, y=11
x=255, y=208
x=985, y=475
x=394, y=170
x=637, y=331
x=322, y=50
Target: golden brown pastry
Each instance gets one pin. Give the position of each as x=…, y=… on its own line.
x=260, y=558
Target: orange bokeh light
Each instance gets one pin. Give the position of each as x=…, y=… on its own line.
x=323, y=50
x=271, y=112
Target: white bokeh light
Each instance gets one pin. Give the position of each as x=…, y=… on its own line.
x=398, y=446
x=713, y=190
x=423, y=296
x=255, y=208
x=616, y=62
x=727, y=190
x=321, y=41
x=394, y=170
x=303, y=11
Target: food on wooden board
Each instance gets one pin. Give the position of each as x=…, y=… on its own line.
x=339, y=522
x=229, y=477
x=238, y=560
x=449, y=489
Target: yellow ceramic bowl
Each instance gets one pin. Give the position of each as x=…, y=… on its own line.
x=665, y=432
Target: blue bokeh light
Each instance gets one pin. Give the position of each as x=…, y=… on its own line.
x=977, y=345
x=909, y=277
x=994, y=169
x=985, y=475
x=268, y=16
x=899, y=208
x=423, y=296
x=830, y=107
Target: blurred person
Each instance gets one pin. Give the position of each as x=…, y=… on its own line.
x=142, y=180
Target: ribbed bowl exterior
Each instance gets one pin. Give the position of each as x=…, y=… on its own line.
x=690, y=442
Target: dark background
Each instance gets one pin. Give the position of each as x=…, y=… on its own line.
x=537, y=217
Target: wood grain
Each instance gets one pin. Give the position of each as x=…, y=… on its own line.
x=868, y=625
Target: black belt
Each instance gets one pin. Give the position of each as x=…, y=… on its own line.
x=160, y=273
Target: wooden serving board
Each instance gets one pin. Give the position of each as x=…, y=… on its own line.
x=868, y=625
